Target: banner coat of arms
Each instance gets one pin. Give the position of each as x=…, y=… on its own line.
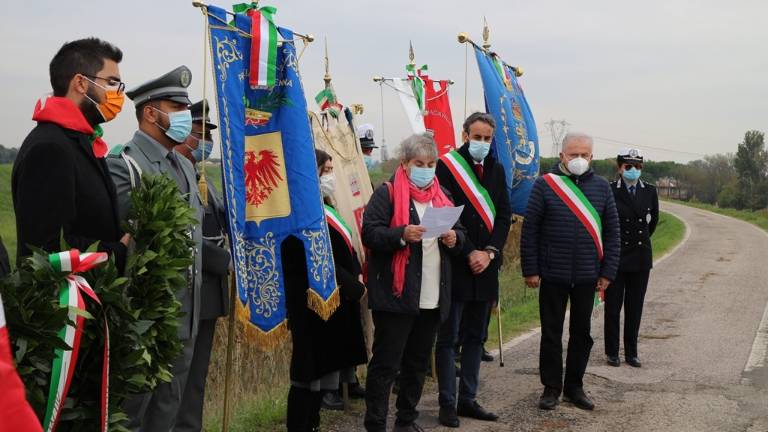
x=270, y=178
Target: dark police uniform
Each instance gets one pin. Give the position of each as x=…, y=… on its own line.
x=144, y=155
x=638, y=217
x=214, y=296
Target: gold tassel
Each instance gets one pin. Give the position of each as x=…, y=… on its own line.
x=324, y=308
x=253, y=336
x=202, y=185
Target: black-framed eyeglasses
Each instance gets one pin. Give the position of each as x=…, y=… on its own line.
x=111, y=82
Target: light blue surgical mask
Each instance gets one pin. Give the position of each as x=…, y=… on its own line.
x=203, y=150
x=631, y=174
x=479, y=149
x=422, y=177
x=180, y=124
x=369, y=163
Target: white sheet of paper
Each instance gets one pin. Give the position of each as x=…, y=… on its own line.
x=440, y=220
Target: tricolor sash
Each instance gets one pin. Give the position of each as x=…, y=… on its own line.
x=471, y=186
x=64, y=362
x=334, y=220
x=574, y=198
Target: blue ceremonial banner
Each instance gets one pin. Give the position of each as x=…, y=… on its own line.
x=515, y=143
x=270, y=178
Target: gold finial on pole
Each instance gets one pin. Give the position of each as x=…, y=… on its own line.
x=357, y=109
x=486, y=34
x=463, y=37
x=327, y=77
x=411, y=55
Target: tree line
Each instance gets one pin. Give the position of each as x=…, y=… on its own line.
x=737, y=180
x=7, y=155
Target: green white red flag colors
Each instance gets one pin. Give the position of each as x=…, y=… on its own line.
x=471, y=187
x=64, y=362
x=580, y=206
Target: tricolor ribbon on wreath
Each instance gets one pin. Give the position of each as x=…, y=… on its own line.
x=64, y=362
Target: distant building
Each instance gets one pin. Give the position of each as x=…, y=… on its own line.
x=669, y=187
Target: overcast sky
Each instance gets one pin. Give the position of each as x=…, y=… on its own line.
x=687, y=76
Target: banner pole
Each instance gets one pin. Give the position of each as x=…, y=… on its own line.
x=501, y=341
x=230, y=349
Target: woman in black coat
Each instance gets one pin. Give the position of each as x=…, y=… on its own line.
x=321, y=349
x=409, y=280
x=638, y=206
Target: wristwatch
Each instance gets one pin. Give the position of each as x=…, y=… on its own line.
x=491, y=253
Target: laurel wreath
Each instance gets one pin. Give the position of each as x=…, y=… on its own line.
x=141, y=308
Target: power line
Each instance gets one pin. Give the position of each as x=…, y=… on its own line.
x=626, y=143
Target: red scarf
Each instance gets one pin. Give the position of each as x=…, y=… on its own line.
x=63, y=112
x=403, y=191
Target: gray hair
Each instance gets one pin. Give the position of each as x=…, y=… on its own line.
x=418, y=145
x=576, y=136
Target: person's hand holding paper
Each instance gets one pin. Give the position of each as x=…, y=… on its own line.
x=438, y=221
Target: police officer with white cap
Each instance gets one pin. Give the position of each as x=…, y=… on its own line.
x=638, y=206
x=162, y=110
x=367, y=144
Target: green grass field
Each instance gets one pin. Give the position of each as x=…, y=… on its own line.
x=7, y=218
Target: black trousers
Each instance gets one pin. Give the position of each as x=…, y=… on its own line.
x=303, y=413
x=553, y=299
x=400, y=343
x=628, y=290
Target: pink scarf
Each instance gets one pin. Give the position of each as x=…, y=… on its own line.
x=403, y=192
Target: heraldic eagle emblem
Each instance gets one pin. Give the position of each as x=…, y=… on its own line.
x=266, y=188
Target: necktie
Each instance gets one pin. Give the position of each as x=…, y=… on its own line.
x=479, y=171
x=181, y=181
x=632, y=190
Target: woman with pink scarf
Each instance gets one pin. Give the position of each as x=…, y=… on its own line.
x=408, y=282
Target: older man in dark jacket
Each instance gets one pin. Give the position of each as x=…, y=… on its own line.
x=570, y=246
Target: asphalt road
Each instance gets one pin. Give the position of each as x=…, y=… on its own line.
x=702, y=343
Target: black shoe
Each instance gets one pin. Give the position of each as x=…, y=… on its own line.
x=356, y=391
x=410, y=427
x=475, y=411
x=487, y=357
x=448, y=417
x=550, y=399
x=332, y=401
x=634, y=362
x=614, y=361
x=579, y=399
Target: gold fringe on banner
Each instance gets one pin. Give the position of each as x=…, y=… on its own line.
x=264, y=341
x=324, y=308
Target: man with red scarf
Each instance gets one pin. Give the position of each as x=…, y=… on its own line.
x=60, y=182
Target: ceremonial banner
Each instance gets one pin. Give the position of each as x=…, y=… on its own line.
x=270, y=179
x=336, y=136
x=515, y=143
x=427, y=106
x=411, y=107
x=437, y=116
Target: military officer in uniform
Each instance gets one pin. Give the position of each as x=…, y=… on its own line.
x=214, y=298
x=162, y=110
x=638, y=206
